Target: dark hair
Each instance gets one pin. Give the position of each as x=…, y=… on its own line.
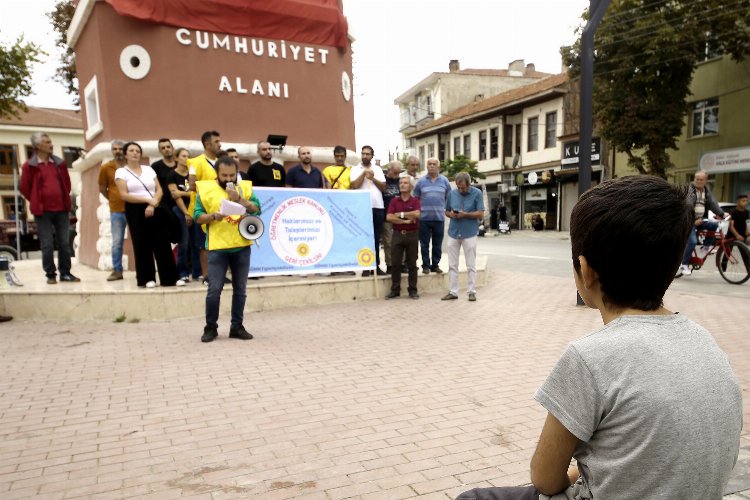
x=226, y=161
x=372, y=151
x=164, y=139
x=633, y=232
x=230, y=150
x=132, y=143
x=740, y=196
x=207, y=136
x=339, y=149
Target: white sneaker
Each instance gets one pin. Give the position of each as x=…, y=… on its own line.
x=151, y=284
x=687, y=270
x=179, y=283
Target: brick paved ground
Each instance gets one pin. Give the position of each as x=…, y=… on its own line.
x=377, y=399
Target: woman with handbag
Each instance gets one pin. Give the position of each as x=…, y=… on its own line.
x=147, y=221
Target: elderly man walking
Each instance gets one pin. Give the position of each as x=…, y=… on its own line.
x=46, y=184
x=464, y=208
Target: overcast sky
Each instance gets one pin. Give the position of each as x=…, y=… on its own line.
x=397, y=44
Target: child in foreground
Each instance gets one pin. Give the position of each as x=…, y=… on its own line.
x=647, y=405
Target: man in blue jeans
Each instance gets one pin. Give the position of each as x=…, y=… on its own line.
x=227, y=248
x=700, y=198
x=108, y=189
x=432, y=191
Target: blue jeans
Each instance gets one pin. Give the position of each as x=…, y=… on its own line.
x=431, y=229
x=117, y=222
x=218, y=262
x=53, y=226
x=182, y=246
x=693, y=238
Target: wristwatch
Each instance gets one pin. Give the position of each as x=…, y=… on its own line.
x=401, y=216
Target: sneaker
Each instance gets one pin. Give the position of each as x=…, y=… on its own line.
x=204, y=281
x=413, y=295
x=51, y=280
x=186, y=279
x=114, y=276
x=179, y=283
x=239, y=333
x=365, y=274
x=425, y=270
x=69, y=278
x=380, y=272
x=450, y=296
x=388, y=270
x=687, y=271
x=472, y=297
x=209, y=334
x=436, y=269
x=392, y=295
x=151, y=284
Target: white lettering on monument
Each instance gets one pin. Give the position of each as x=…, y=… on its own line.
x=272, y=89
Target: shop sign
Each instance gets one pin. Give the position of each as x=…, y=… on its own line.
x=726, y=160
x=571, y=151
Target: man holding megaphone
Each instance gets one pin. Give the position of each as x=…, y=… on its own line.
x=227, y=248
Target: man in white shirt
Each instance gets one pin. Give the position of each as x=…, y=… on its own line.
x=370, y=177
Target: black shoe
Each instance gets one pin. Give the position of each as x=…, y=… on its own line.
x=388, y=270
x=425, y=270
x=413, y=295
x=436, y=269
x=380, y=272
x=209, y=334
x=4, y=319
x=404, y=269
x=51, y=280
x=227, y=280
x=392, y=295
x=365, y=274
x=69, y=278
x=239, y=333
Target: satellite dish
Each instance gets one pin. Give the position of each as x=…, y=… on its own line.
x=251, y=227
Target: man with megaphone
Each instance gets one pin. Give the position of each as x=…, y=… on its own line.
x=227, y=248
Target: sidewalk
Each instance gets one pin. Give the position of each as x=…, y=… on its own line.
x=374, y=399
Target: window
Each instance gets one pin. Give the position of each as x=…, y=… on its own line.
x=467, y=146
x=9, y=212
x=705, y=117
x=712, y=49
x=533, y=135
x=483, y=145
x=428, y=104
x=431, y=150
x=550, y=132
x=71, y=154
x=494, y=139
x=456, y=147
x=421, y=155
x=441, y=151
x=8, y=159
x=518, y=139
x=508, y=141
x=93, y=117
x=29, y=151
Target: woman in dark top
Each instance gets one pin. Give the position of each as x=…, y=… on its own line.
x=179, y=189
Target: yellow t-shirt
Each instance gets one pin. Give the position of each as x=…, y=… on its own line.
x=331, y=173
x=204, y=171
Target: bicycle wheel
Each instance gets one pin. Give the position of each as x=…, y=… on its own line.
x=734, y=267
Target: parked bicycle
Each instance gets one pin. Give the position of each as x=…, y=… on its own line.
x=732, y=256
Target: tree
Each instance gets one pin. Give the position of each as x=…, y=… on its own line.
x=15, y=76
x=61, y=17
x=645, y=55
x=461, y=164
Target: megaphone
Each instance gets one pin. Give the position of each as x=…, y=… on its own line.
x=251, y=227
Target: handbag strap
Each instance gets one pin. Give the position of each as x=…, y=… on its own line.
x=343, y=169
x=139, y=180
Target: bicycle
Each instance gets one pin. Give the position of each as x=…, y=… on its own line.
x=732, y=256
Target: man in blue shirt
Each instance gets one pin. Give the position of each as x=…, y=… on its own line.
x=432, y=191
x=465, y=208
x=304, y=174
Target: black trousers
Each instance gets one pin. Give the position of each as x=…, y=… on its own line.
x=406, y=243
x=150, y=237
x=501, y=493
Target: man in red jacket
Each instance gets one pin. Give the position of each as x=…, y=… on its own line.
x=46, y=184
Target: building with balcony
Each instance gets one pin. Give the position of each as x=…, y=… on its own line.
x=524, y=142
x=440, y=94
x=63, y=126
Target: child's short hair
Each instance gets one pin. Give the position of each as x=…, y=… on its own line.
x=633, y=232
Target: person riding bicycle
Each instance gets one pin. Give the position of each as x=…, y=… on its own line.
x=701, y=199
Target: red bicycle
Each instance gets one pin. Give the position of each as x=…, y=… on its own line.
x=732, y=256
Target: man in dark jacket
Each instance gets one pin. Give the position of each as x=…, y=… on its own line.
x=46, y=184
x=701, y=199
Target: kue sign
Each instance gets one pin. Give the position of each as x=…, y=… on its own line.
x=313, y=230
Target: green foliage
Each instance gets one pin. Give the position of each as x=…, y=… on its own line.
x=61, y=16
x=461, y=163
x=645, y=54
x=121, y=318
x=15, y=76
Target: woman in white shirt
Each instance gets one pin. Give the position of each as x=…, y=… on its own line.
x=141, y=192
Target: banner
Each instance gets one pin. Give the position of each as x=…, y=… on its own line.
x=313, y=231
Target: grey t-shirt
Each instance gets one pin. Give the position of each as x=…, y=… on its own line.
x=655, y=406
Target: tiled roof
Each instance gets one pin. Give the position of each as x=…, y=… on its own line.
x=496, y=101
x=526, y=73
x=46, y=117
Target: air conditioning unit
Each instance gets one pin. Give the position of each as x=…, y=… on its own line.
x=503, y=187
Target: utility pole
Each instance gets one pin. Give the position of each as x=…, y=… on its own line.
x=597, y=8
